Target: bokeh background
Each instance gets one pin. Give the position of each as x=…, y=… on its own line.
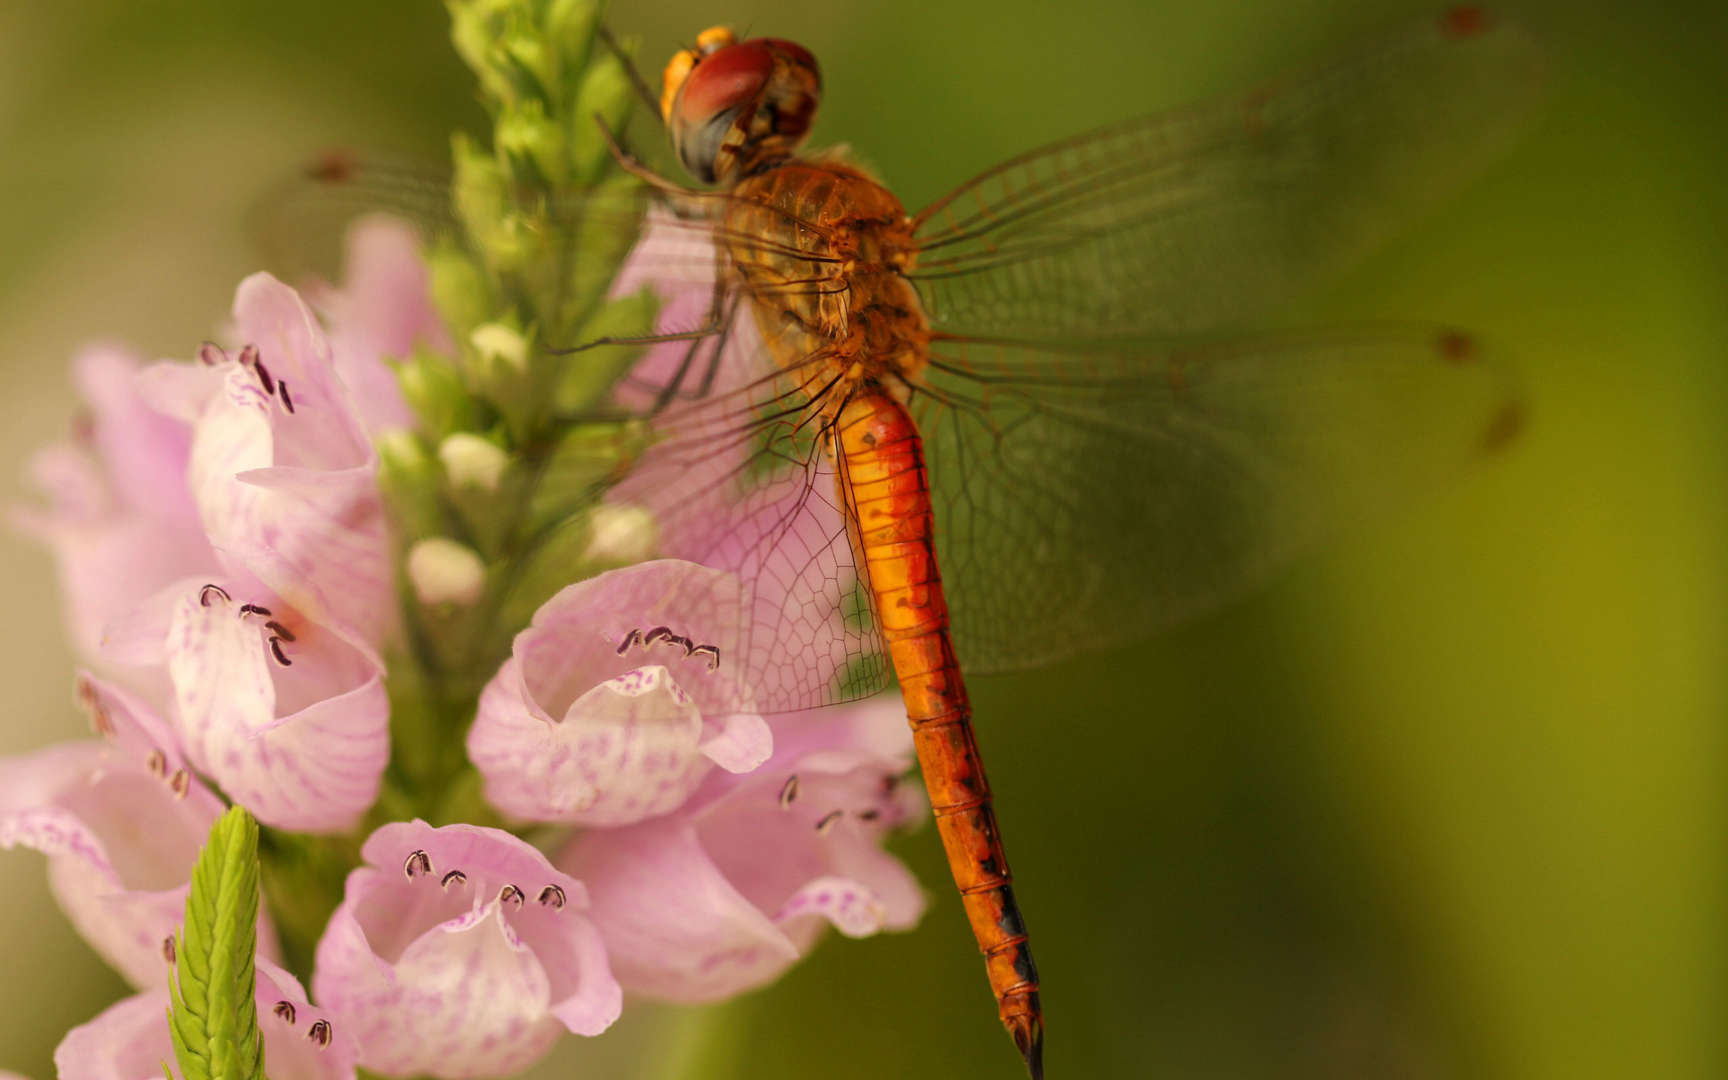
x=1446, y=801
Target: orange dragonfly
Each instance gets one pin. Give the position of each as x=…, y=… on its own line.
x=1024, y=421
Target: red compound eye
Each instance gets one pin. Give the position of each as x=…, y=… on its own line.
x=727, y=79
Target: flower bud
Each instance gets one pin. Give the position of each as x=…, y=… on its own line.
x=605, y=92
x=445, y=572
x=432, y=386
x=459, y=289
x=472, y=462
x=532, y=145
x=621, y=534
x=409, y=480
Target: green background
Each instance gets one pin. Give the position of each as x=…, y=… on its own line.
x=1445, y=801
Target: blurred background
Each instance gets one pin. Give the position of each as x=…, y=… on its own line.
x=1446, y=801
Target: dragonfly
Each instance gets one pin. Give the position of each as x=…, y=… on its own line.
x=1036, y=416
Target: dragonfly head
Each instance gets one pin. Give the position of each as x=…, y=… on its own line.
x=733, y=107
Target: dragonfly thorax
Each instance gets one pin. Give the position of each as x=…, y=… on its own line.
x=821, y=252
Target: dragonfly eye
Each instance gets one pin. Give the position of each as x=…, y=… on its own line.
x=736, y=107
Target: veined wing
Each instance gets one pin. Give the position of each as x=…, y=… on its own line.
x=1073, y=512
x=1206, y=219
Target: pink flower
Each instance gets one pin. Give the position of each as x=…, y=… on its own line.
x=121, y=821
x=462, y=952
x=120, y=519
x=728, y=892
x=129, y=1040
x=597, y=719
x=282, y=471
x=288, y=715
x=383, y=310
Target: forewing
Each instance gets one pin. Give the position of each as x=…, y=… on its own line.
x=1193, y=221
x=1072, y=513
x=739, y=481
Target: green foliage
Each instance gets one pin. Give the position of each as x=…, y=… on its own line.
x=213, y=1019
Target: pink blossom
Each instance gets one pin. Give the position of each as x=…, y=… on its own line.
x=381, y=313
x=283, y=474
x=596, y=719
x=460, y=952
x=120, y=518
x=129, y=1040
x=121, y=820
x=728, y=892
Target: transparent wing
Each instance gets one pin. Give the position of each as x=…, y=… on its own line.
x=1072, y=513
x=740, y=482
x=1194, y=221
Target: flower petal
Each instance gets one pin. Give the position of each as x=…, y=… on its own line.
x=462, y=952
x=121, y=822
x=129, y=1040
x=572, y=730
x=287, y=486
x=302, y=744
x=383, y=310
x=728, y=892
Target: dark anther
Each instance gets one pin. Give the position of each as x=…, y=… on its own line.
x=454, y=877
x=157, y=763
x=284, y=1010
x=869, y=815
x=180, y=783
x=510, y=894
x=264, y=376
x=255, y=609
x=656, y=634
x=829, y=820
x=319, y=1032
x=552, y=896
x=713, y=654
x=248, y=355
x=629, y=640
x=276, y=651
x=168, y=948
x=418, y=862
x=279, y=630
x=788, y=792
x=208, y=591
x=210, y=354
x=282, y=390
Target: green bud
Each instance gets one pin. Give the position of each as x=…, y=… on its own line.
x=532, y=145
x=472, y=462
x=590, y=376
x=433, y=386
x=479, y=192
x=531, y=66
x=409, y=479
x=570, y=28
x=474, y=29
x=605, y=92
x=459, y=288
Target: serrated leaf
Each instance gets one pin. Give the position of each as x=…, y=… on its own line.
x=212, y=1017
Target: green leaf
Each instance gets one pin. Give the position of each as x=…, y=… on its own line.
x=212, y=1017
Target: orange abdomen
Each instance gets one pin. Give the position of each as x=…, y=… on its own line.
x=883, y=485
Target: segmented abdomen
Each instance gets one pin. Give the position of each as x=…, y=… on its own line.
x=883, y=485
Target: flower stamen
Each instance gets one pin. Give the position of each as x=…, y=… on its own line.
x=828, y=821
x=511, y=894
x=210, y=354
x=319, y=1032
x=282, y=389
x=168, y=948
x=418, y=862
x=276, y=651
x=180, y=784
x=552, y=896
x=454, y=877
x=284, y=1010
x=788, y=792
x=279, y=630
x=157, y=763
x=254, y=609
x=210, y=590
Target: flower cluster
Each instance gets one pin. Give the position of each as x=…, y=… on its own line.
x=298, y=578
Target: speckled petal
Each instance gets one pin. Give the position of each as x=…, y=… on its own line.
x=121, y=821
x=303, y=745
x=728, y=892
x=288, y=493
x=571, y=730
x=461, y=952
x=129, y=1040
